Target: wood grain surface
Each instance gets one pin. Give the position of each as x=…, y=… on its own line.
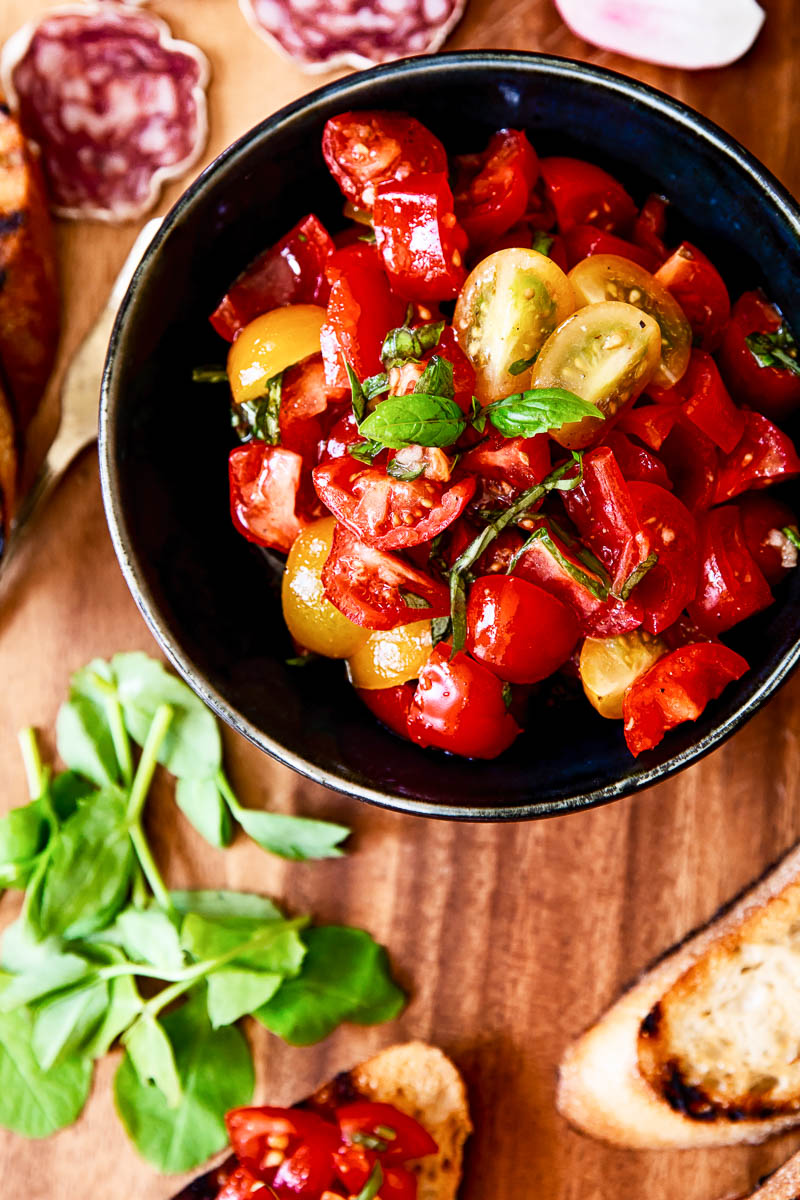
x=509, y=938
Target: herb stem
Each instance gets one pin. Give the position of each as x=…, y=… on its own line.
x=34, y=771
x=227, y=792
x=122, y=743
x=147, y=763
x=149, y=868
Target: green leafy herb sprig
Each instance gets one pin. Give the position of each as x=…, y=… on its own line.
x=104, y=952
x=778, y=349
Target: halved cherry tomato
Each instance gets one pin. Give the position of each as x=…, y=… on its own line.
x=463, y=371
x=692, y=462
x=344, y=434
x=677, y=688
x=668, y=586
x=583, y=241
x=708, y=404
x=459, y=706
x=610, y=277
x=270, y=344
x=389, y=657
x=390, y=705
x=410, y=1140
x=519, y=631
x=526, y=236
x=389, y=513
x=508, y=307
x=583, y=194
x=608, y=667
x=604, y=353
x=361, y=309
x=637, y=463
x=603, y=512
x=242, y=1185
x=492, y=188
x=306, y=1141
x=697, y=285
x=731, y=586
x=304, y=401
x=774, y=391
x=369, y=586
x=763, y=521
x=354, y=1165
x=764, y=455
x=515, y=464
x=266, y=483
x=312, y=620
x=651, y=423
x=365, y=149
x=290, y=272
x=650, y=226
x=419, y=238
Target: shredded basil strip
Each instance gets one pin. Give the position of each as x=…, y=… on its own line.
x=209, y=374
x=539, y=410
x=357, y=397
x=260, y=417
x=778, y=349
x=370, y=1142
x=412, y=600
x=420, y=419
x=364, y=451
x=440, y=630
x=637, y=575
x=595, y=586
x=409, y=345
x=407, y=474
x=437, y=379
x=791, y=533
x=372, y=1186
x=522, y=364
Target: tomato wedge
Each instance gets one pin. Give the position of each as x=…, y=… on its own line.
x=698, y=287
x=650, y=226
x=492, y=189
x=514, y=463
x=692, y=462
x=650, y=423
x=365, y=149
x=731, y=586
x=583, y=194
x=389, y=513
x=708, y=404
x=763, y=522
x=764, y=455
x=519, y=631
x=668, y=586
x=361, y=309
x=290, y=272
x=265, y=485
x=459, y=706
x=242, y=1185
x=603, y=513
x=677, y=688
x=584, y=240
x=637, y=463
x=419, y=238
x=774, y=391
x=390, y=705
x=306, y=1141
x=408, y=1138
x=373, y=588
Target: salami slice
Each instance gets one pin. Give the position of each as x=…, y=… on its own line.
x=116, y=105
x=320, y=35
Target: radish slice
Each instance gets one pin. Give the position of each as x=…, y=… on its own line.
x=675, y=33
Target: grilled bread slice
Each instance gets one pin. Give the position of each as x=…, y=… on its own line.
x=783, y=1185
x=704, y=1050
x=416, y=1078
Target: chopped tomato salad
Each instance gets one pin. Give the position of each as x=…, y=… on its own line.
x=506, y=428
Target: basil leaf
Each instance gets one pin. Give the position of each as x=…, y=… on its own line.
x=274, y=947
x=201, y=803
x=233, y=992
x=364, y=451
x=436, y=379
x=418, y=419
x=357, y=397
x=373, y=1184
x=458, y=611
x=215, y=1074
x=637, y=575
x=792, y=534
x=345, y=977
x=441, y=628
x=124, y=1005
x=23, y=835
x=542, y=242
x=397, y=471
x=778, y=349
x=148, y=936
x=296, y=838
x=260, y=417
x=55, y=970
x=375, y=385
x=64, y=1024
x=412, y=599
x=221, y=905
x=84, y=740
x=410, y=344
x=34, y=1102
x=209, y=374
x=522, y=364
x=150, y=1053
x=539, y=410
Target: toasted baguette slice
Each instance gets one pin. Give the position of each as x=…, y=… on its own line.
x=784, y=1184
x=704, y=1050
x=416, y=1078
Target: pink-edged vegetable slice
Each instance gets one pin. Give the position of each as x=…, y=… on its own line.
x=116, y=105
x=321, y=35
x=693, y=34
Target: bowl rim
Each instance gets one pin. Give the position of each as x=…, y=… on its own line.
x=350, y=86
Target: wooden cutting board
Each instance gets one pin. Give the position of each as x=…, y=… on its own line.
x=509, y=938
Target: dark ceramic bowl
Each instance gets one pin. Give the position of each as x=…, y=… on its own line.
x=210, y=598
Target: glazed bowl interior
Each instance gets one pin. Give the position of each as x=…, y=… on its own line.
x=211, y=598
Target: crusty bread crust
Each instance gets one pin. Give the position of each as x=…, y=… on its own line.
x=601, y=1088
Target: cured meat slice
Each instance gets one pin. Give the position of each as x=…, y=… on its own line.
x=115, y=103
x=320, y=35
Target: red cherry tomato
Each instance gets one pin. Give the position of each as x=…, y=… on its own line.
x=528, y=237
x=764, y=455
x=304, y=402
x=390, y=705
x=463, y=370
x=708, y=404
x=637, y=463
x=419, y=237
x=290, y=272
x=604, y=515
x=692, y=463
x=266, y=493
x=344, y=434
x=514, y=463
x=364, y=1117
x=763, y=522
x=584, y=240
x=365, y=149
x=583, y=194
x=731, y=586
x=361, y=310
x=367, y=585
x=459, y=706
x=650, y=225
x=241, y=1185
x=354, y=1164
x=307, y=1164
x=697, y=285
x=650, y=423
x=774, y=391
x=677, y=688
x=668, y=586
x=519, y=631
x=389, y=513
x=492, y=188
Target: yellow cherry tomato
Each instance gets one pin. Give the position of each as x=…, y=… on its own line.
x=270, y=344
x=311, y=619
x=391, y=657
x=604, y=353
x=608, y=666
x=507, y=308
x=610, y=277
